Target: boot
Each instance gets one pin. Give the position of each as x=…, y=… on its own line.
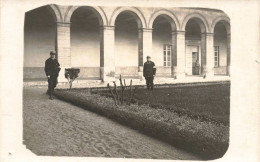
x=51, y=94
x=152, y=87
x=48, y=92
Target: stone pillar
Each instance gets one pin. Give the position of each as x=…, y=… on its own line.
x=107, y=53
x=63, y=48
x=178, y=54
x=207, y=54
x=228, y=53
x=144, y=47
x=140, y=54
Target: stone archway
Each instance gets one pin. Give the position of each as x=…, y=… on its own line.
x=127, y=45
x=39, y=40
x=203, y=23
x=224, y=20
x=168, y=15
x=102, y=18
x=221, y=29
x=199, y=46
x=133, y=11
x=164, y=38
x=132, y=45
x=85, y=39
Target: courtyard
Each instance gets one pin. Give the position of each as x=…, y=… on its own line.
x=57, y=128
x=186, y=111
x=193, y=117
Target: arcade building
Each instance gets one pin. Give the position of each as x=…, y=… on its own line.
x=104, y=42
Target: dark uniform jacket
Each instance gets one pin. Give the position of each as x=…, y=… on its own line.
x=52, y=67
x=149, y=69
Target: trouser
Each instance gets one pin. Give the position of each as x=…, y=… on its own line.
x=149, y=82
x=52, y=82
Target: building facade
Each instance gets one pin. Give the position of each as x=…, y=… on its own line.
x=105, y=42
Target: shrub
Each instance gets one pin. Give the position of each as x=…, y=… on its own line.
x=71, y=74
x=120, y=99
x=206, y=139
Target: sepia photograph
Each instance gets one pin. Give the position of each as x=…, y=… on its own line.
x=125, y=81
x=132, y=83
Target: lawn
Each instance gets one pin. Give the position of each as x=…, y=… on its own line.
x=209, y=102
x=194, y=117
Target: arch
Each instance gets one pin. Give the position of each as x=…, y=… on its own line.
x=39, y=32
x=55, y=12
x=226, y=23
x=203, y=23
x=85, y=39
x=224, y=46
x=168, y=15
x=97, y=10
x=136, y=13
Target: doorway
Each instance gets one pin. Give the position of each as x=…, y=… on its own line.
x=195, y=63
x=192, y=60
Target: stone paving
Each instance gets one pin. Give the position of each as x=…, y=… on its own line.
x=79, y=83
x=57, y=128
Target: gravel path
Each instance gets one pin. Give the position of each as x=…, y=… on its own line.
x=54, y=127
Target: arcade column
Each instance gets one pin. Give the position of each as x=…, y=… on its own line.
x=63, y=48
x=207, y=54
x=178, y=54
x=107, y=51
x=144, y=47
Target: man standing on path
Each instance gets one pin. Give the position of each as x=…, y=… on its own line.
x=52, y=69
x=149, y=72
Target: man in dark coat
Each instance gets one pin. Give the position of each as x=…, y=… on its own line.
x=52, y=69
x=149, y=72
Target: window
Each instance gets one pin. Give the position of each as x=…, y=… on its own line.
x=216, y=56
x=167, y=54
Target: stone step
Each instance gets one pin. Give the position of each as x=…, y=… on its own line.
x=98, y=83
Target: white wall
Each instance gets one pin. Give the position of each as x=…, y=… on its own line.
x=85, y=39
x=161, y=35
x=85, y=48
x=222, y=43
x=126, y=44
x=39, y=37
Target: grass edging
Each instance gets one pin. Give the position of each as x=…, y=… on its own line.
x=206, y=147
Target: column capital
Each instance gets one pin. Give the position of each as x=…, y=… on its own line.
x=208, y=34
x=145, y=29
x=178, y=32
x=106, y=27
x=65, y=24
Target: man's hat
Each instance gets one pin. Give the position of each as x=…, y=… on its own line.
x=148, y=57
x=52, y=53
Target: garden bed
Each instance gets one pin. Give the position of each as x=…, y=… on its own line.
x=207, y=102
x=204, y=138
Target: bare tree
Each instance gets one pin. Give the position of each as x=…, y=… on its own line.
x=119, y=99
